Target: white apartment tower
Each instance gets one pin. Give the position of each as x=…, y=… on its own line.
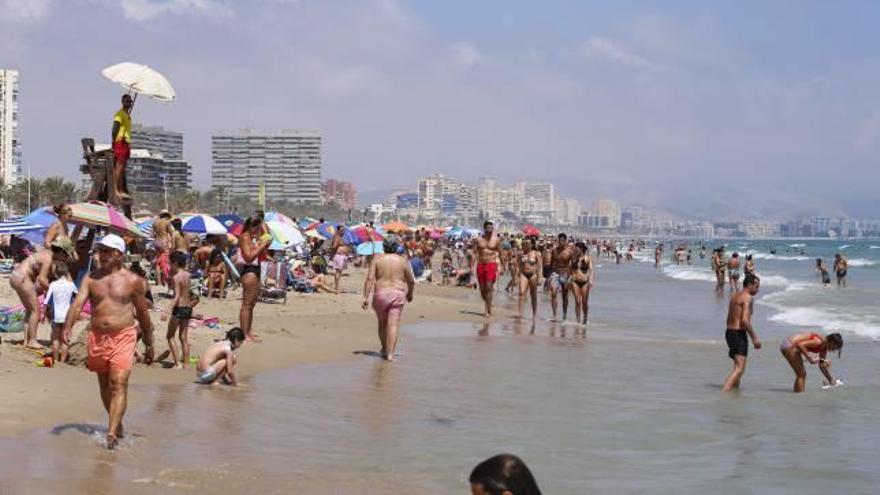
x=287, y=163
x=10, y=144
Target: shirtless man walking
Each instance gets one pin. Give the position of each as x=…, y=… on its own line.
x=739, y=329
x=390, y=282
x=560, y=278
x=119, y=305
x=487, y=251
x=733, y=266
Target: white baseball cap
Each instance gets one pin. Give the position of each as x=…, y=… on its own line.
x=113, y=241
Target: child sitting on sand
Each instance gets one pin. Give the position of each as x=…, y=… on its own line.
x=804, y=345
x=61, y=293
x=218, y=360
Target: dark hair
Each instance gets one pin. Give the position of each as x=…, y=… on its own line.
x=504, y=472
x=389, y=246
x=750, y=279
x=562, y=236
x=137, y=269
x=735, y=255
x=178, y=258
x=177, y=224
x=818, y=261
x=59, y=208
x=749, y=257
x=235, y=334
x=837, y=340
x=487, y=223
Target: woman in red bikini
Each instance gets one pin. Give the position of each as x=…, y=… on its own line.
x=805, y=345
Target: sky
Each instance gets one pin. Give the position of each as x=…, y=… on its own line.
x=729, y=110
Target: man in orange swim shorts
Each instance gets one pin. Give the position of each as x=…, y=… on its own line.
x=116, y=296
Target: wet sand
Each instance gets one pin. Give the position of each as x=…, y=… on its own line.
x=310, y=328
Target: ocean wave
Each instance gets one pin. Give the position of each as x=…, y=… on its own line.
x=861, y=262
x=688, y=273
x=799, y=245
x=873, y=247
x=827, y=320
x=777, y=257
x=844, y=246
x=774, y=281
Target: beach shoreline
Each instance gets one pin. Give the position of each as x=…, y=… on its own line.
x=308, y=329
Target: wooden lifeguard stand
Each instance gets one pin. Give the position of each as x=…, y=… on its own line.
x=99, y=166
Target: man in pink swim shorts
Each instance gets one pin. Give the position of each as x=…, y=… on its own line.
x=390, y=282
x=117, y=296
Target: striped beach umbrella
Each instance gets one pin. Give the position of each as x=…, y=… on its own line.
x=17, y=227
x=284, y=234
x=98, y=214
x=274, y=216
x=203, y=224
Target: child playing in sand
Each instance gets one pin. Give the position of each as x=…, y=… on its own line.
x=181, y=309
x=217, y=275
x=218, y=360
x=805, y=345
x=58, y=298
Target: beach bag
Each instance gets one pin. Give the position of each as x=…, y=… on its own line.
x=12, y=319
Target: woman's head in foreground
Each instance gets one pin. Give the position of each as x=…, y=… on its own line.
x=503, y=474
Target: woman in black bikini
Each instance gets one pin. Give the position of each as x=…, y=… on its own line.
x=582, y=281
x=529, y=267
x=254, y=243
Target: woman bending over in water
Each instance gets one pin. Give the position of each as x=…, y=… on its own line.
x=805, y=345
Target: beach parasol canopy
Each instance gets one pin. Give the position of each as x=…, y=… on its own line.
x=531, y=231
x=17, y=227
x=203, y=224
x=363, y=233
x=396, y=227
x=98, y=214
x=284, y=234
x=140, y=79
x=274, y=216
x=369, y=248
x=229, y=220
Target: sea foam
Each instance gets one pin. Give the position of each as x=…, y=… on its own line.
x=828, y=320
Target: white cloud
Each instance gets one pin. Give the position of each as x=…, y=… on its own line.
x=464, y=54
x=144, y=10
x=24, y=11
x=607, y=49
x=867, y=136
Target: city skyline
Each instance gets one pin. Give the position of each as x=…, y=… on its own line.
x=711, y=110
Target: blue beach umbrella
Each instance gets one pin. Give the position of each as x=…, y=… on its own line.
x=229, y=220
x=326, y=229
x=203, y=224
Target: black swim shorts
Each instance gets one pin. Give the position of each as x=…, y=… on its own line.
x=182, y=312
x=737, y=342
x=250, y=269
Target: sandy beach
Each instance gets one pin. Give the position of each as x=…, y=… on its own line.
x=310, y=328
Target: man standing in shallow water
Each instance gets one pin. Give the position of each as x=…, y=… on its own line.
x=117, y=296
x=488, y=254
x=739, y=329
x=390, y=281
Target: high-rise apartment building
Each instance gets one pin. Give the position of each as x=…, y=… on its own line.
x=158, y=139
x=286, y=163
x=167, y=145
x=339, y=192
x=10, y=144
x=609, y=209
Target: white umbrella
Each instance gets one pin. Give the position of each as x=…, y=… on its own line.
x=140, y=79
